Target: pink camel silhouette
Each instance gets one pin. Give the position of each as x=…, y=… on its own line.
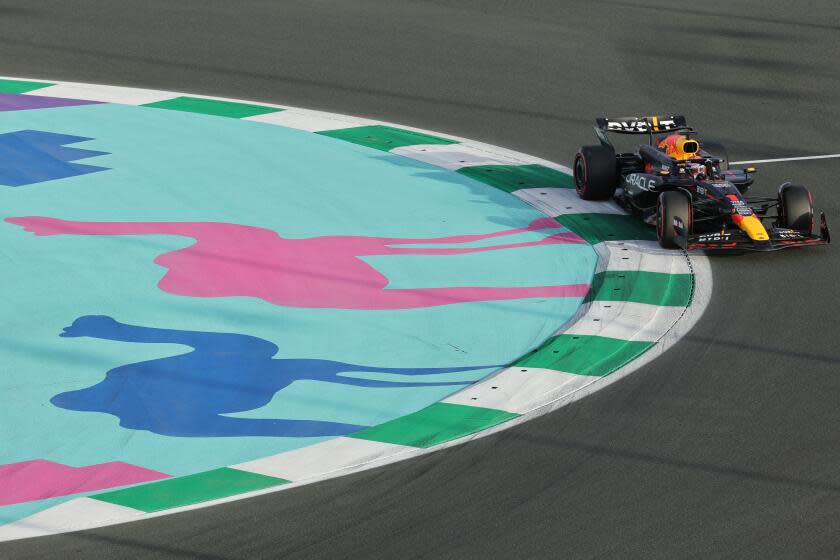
x=240, y=260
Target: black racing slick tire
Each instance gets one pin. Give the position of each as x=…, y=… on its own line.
x=673, y=209
x=596, y=172
x=796, y=208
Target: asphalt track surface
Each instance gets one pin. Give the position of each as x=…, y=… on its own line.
x=727, y=446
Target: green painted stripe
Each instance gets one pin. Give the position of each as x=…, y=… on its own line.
x=584, y=355
x=21, y=86
x=213, y=107
x=510, y=178
x=656, y=288
x=385, y=138
x=190, y=489
x=595, y=228
x=435, y=424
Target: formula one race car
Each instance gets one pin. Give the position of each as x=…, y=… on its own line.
x=684, y=187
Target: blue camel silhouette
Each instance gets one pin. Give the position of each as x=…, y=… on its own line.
x=186, y=395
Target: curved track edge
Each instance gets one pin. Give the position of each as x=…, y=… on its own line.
x=642, y=301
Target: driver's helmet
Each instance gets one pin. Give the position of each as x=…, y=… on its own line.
x=679, y=147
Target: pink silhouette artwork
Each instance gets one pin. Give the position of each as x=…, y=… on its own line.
x=316, y=272
x=40, y=479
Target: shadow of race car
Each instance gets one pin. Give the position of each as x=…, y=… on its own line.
x=685, y=188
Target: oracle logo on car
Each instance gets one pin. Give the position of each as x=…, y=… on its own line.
x=640, y=181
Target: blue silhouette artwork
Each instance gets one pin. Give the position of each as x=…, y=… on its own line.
x=33, y=156
x=188, y=394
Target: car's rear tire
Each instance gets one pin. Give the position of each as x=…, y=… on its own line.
x=673, y=206
x=596, y=172
x=796, y=208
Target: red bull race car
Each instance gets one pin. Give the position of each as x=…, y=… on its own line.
x=684, y=187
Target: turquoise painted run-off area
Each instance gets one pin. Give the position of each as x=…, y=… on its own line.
x=136, y=377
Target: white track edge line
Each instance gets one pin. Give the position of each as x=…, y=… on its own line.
x=800, y=158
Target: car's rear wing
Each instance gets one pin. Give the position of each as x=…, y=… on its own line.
x=654, y=124
x=642, y=125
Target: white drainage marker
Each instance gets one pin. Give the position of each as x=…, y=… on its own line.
x=644, y=256
x=625, y=320
x=557, y=201
x=521, y=389
x=455, y=156
x=322, y=458
x=311, y=121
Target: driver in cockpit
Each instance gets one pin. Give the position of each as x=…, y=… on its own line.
x=684, y=150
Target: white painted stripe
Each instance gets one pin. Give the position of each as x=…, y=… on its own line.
x=322, y=458
x=784, y=159
x=504, y=152
x=454, y=156
x=100, y=90
x=646, y=256
x=497, y=151
x=77, y=514
x=625, y=320
x=311, y=121
x=559, y=201
x=520, y=390
x=242, y=101
x=107, y=94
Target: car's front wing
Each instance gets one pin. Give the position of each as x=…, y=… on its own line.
x=737, y=240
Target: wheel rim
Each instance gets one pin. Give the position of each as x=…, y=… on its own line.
x=660, y=229
x=580, y=174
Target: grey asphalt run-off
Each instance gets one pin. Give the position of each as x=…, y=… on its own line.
x=727, y=446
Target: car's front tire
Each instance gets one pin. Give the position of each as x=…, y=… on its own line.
x=796, y=208
x=673, y=208
x=596, y=172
